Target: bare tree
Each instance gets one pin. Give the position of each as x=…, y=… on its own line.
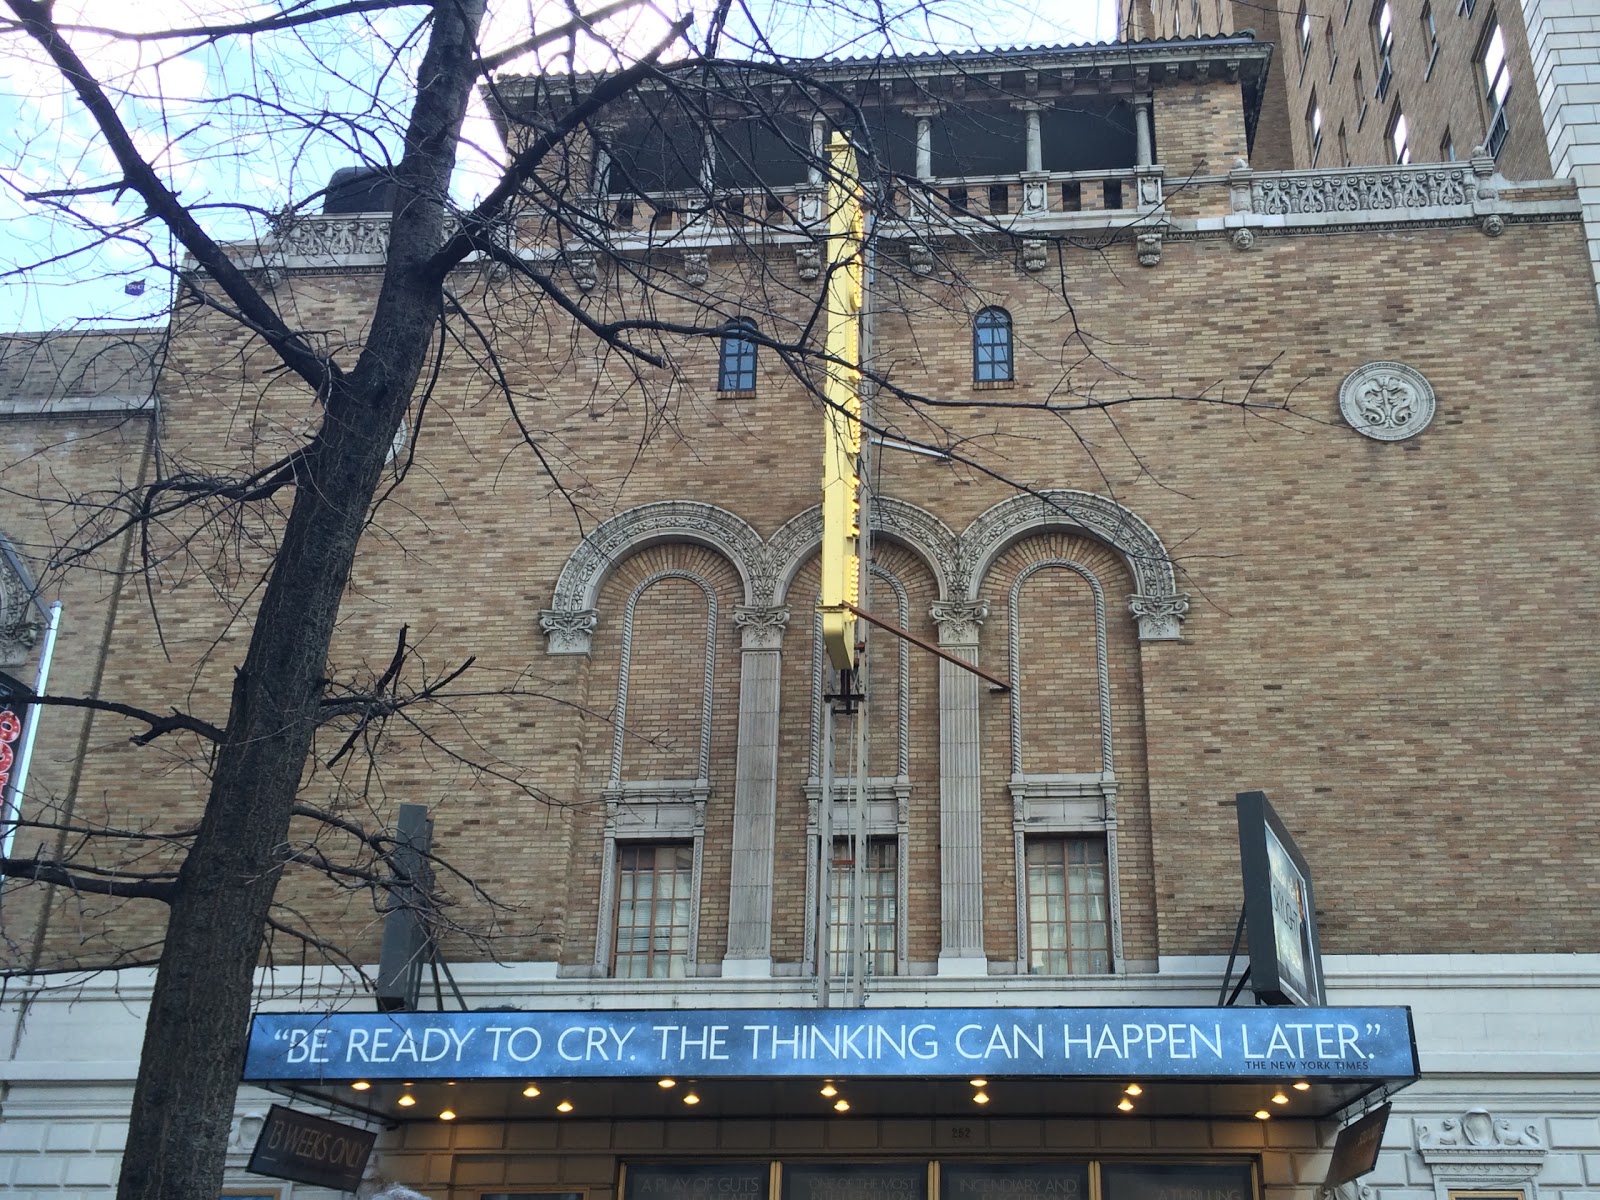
x=615, y=115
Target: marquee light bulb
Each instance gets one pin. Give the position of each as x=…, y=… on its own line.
x=1279, y=1097
x=530, y=1091
x=829, y=1090
x=564, y=1107
x=666, y=1083
x=360, y=1085
x=1133, y=1089
x=1125, y=1105
x=448, y=1114
x=980, y=1097
x=979, y=1083
x=691, y=1097
x=406, y=1101
x=1262, y=1114
x=841, y=1105
x=1300, y=1085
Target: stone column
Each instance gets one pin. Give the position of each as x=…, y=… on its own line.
x=960, y=793
x=924, y=145
x=1141, y=128
x=1035, y=144
x=755, y=793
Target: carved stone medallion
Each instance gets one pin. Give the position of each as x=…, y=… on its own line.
x=1388, y=401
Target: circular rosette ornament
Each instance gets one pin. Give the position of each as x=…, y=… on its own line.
x=1388, y=401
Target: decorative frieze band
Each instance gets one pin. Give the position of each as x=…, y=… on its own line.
x=1362, y=190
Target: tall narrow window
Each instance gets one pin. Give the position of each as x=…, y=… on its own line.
x=1400, y=137
x=1430, y=38
x=655, y=888
x=1383, y=46
x=737, y=366
x=1069, y=920
x=1361, y=97
x=880, y=905
x=1332, y=48
x=1314, y=125
x=1303, y=24
x=991, y=346
x=1496, y=79
x=1447, y=147
x=1344, y=146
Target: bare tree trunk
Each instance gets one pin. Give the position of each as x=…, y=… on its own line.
x=184, y=1096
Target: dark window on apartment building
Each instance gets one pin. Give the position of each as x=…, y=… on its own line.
x=765, y=152
x=1344, y=146
x=1447, y=147
x=1069, y=918
x=1087, y=135
x=1400, y=137
x=975, y=140
x=991, y=346
x=880, y=905
x=1383, y=46
x=736, y=365
x=1314, y=125
x=655, y=890
x=1332, y=48
x=1361, y=97
x=653, y=153
x=1495, y=76
x=1430, y=38
x=1303, y=24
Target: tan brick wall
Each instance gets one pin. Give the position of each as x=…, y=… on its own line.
x=1198, y=130
x=1395, y=641
x=46, y=463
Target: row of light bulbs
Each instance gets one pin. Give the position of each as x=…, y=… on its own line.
x=1262, y=1114
x=828, y=1091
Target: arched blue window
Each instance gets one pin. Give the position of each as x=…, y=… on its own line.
x=736, y=369
x=991, y=346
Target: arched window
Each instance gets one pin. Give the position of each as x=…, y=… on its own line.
x=736, y=370
x=991, y=346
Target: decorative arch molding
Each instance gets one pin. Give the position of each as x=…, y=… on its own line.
x=1157, y=604
x=767, y=568
x=960, y=563
x=570, y=621
x=924, y=534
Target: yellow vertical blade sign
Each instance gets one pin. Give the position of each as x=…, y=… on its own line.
x=841, y=453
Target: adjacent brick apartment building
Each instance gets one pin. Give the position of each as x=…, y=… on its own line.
x=1237, y=477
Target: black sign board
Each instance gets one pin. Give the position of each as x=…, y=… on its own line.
x=856, y=1181
x=1014, y=1181
x=1176, y=1181
x=1279, y=909
x=295, y=1145
x=15, y=714
x=1355, y=1151
x=696, y=1181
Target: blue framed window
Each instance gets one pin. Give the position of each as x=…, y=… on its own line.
x=991, y=346
x=736, y=367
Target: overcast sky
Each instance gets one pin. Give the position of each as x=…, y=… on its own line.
x=199, y=112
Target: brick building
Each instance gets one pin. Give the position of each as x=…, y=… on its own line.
x=1237, y=477
x=1358, y=84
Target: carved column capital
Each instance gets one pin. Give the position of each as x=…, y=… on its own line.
x=1159, y=617
x=568, y=632
x=20, y=627
x=761, y=626
x=959, y=620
